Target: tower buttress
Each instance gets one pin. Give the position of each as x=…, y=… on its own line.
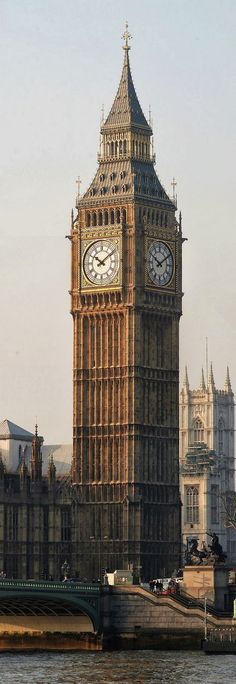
x=51, y=470
x=36, y=458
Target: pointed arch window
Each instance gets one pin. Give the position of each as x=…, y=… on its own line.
x=123, y=215
x=100, y=218
x=106, y=217
x=88, y=219
x=118, y=216
x=125, y=146
x=94, y=219
x=198, y=431
x=65, y=523
x=221, y=428
x=192, y=504
x=120, y=148
x=112, y=217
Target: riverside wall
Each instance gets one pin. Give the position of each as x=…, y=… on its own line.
x=131, y=618
x=136, y=618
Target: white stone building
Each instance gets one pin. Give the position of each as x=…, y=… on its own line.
x=207, y=463
x=16, y=441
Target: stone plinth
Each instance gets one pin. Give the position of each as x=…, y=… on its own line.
x=207, y=581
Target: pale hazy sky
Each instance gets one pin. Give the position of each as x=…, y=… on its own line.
x=60, y=60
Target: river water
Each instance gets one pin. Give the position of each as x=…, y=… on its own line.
x=123, y=667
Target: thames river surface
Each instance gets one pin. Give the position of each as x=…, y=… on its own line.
x=123, y=667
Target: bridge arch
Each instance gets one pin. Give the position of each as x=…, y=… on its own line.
x=54, y=601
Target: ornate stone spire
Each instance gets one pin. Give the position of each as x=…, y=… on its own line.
x=126, y=158
x=126, y=110
x=186, y=382
x=228, y=387
x=36, y=458
x=211, y=381
x=202, y=382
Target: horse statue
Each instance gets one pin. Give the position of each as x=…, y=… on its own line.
x=210, y=555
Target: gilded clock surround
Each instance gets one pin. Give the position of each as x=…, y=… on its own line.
x=86, y=283
x=126, y=357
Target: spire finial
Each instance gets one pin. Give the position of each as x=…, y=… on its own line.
x=228, y=387
x=174, y=196
x=202, y=383
x=186, y=381
x=211, y=381
x=150, y=115
x=126, y=37
x=78, y=182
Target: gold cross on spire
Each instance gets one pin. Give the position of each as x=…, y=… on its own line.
x=126, y=37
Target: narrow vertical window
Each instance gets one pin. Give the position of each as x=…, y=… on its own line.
x=192, y=504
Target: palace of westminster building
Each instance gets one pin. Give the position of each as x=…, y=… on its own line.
x=119, y=506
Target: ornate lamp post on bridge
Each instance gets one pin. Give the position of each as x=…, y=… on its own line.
x=65, y=569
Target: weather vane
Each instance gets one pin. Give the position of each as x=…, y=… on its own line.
x=126, y=37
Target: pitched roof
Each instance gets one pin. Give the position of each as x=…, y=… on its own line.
x=126, y=110
x=9, y=429
x=129, y=177
x=62, y=457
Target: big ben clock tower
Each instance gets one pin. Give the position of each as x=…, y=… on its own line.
x=126, y=303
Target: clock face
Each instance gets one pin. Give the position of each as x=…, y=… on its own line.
x=160, y=263
x=101, y=262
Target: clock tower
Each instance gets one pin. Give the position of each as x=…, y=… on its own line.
x=126, y=304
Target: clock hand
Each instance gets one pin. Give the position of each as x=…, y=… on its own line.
x=106, y=257
x=166, y=257
x=158, y=262
x=99, y=260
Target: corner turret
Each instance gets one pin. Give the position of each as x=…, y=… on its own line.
x=36, y=458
